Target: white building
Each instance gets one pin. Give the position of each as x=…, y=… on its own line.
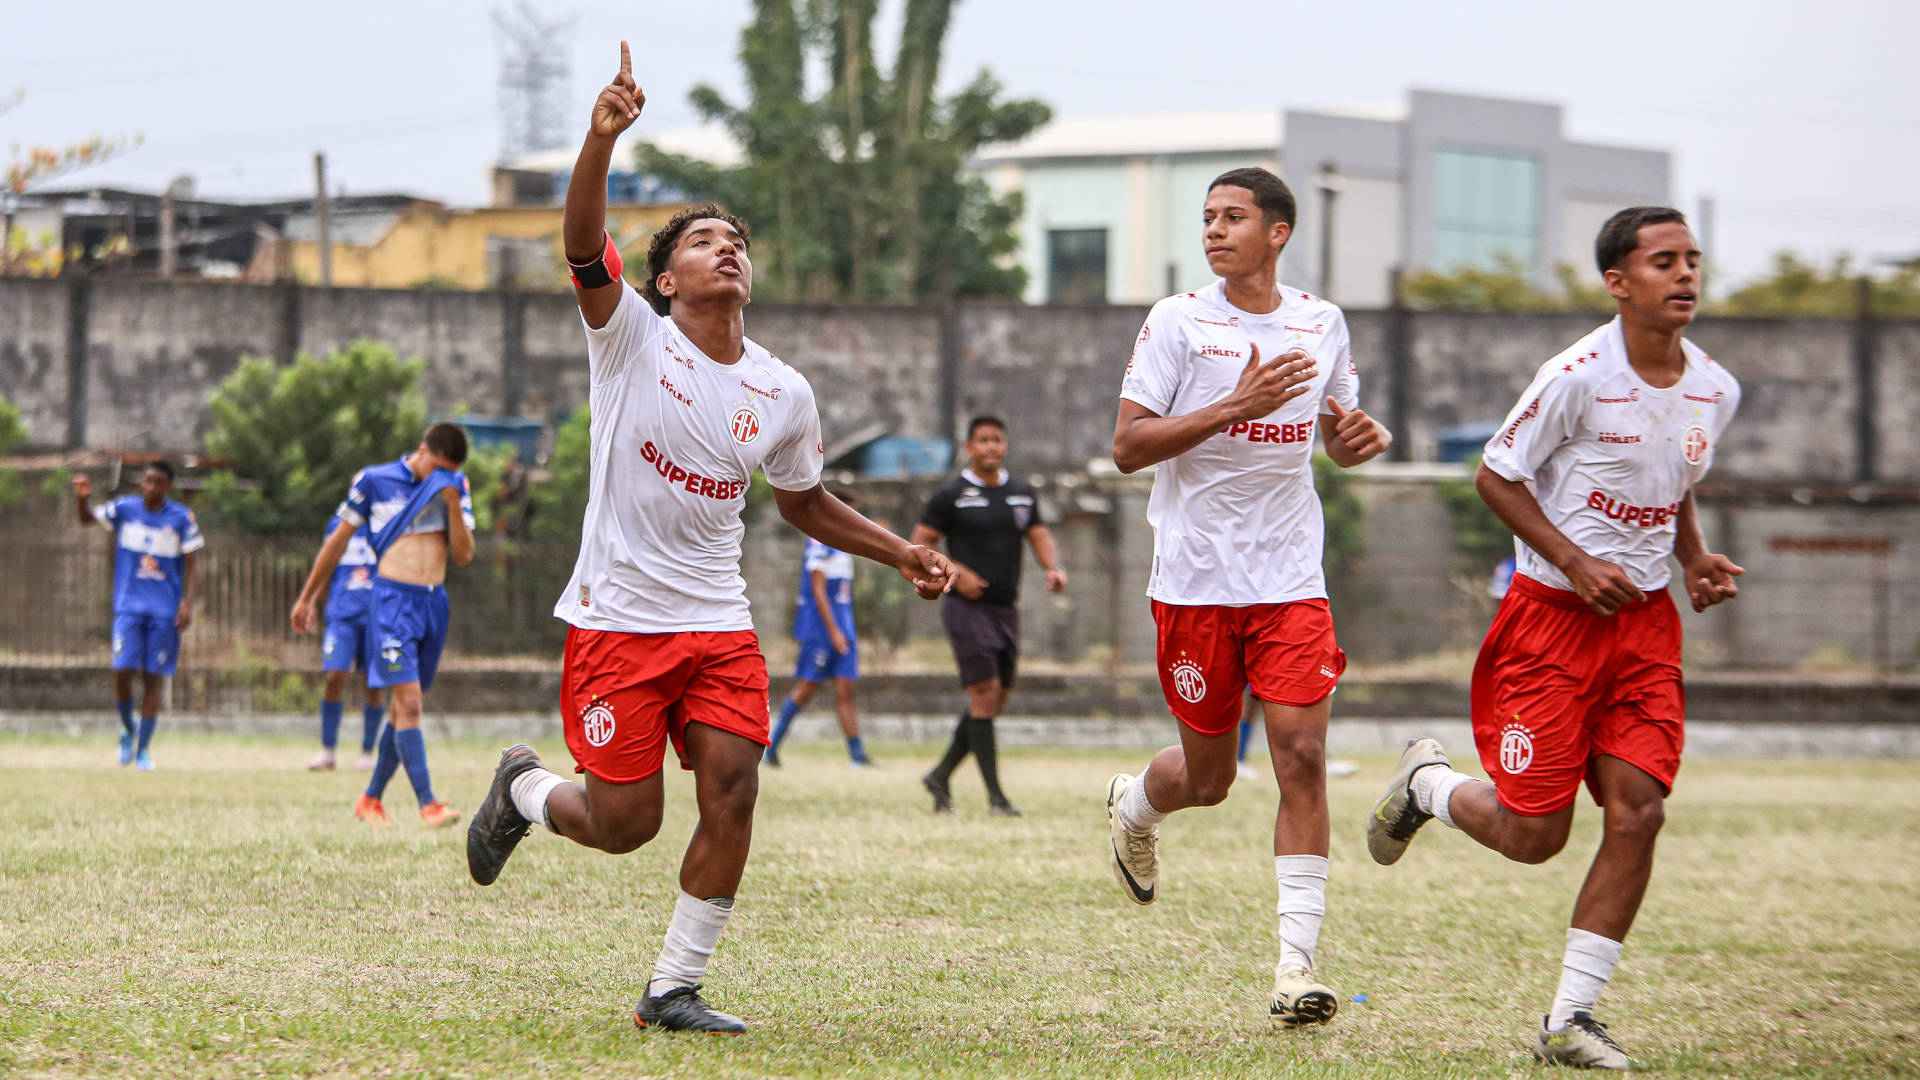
x=1113, y=203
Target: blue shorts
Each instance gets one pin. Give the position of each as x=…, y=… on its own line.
x=406, y=630
x=149, y=643
x=344, y=645
x=818, y=662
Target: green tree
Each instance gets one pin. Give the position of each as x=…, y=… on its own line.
x=1504, y=286
x=294, y=436
x=860, y=191
x=1345, y=515
x=13, y=432
x=1480, y=538
x=1799, y=287
x=560, y=501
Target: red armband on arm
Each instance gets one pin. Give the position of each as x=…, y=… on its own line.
x=604, y=269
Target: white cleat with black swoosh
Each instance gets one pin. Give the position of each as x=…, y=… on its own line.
x=1135, y=855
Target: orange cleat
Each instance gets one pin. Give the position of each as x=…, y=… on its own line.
x=369, y=810
x=438, y=815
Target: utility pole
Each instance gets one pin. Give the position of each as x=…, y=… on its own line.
x=1328, y=181
x=1705, y=235
x=323, y=231
x=166, y=233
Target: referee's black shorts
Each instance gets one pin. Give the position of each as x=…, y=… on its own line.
x=985, y=638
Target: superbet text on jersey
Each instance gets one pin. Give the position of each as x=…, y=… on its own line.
x=1248, y=490
x=675, y=439
x=1610, y=458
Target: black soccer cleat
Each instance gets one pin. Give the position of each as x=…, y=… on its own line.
x=1003, y=808
x=942, y=795
x=683, y=1009
x=498, y=825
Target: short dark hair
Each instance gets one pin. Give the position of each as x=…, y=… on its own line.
x=660, y=248
x=1621, y=234
x=984, y=420
x=1270, y=193
x=163, y=466
x=449, y=441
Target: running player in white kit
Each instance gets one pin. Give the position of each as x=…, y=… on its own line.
x=1578, y=679
x=1239, y=596
x=661, y=647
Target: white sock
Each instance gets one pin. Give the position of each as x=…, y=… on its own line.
x=691, y=936
x=530, y=790
x=1136, y=814
x=1433, y=789
x=1584, y=971
x=1303, y=903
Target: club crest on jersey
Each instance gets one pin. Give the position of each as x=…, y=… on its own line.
x=1516, y=747
x=1694, y=444
x=745, y=425
x=1189, y=682
x=597, y=724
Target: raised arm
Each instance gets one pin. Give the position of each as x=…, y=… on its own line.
x=1142, y=437
x=583, y=227
x=82, y=490
x=459, y=536
x=818, y=514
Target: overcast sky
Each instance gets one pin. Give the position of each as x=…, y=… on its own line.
x=1797, y=117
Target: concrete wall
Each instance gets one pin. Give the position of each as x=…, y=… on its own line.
x=156, y=352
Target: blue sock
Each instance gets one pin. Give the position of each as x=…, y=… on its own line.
x=385, y=765
x=372, y=714
x=788, y=711
x=855, y=750
x=1246, y=735
x=330, y=723
x=126, y=714
x=413, y=753
x=147, y=724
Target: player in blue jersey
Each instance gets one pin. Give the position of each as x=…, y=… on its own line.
x=829, y=648
x=154, y=575
x=343, y=649
x=418, y=514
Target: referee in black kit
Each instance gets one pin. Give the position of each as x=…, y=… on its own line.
x=983, y=514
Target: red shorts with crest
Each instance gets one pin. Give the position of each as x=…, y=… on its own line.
x=1208, y=654
x=624, y=696
x=1558, y=684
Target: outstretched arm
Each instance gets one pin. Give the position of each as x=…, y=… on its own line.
x=818, y=514
x=583, y=227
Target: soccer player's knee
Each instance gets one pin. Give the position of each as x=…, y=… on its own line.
x=1211, y=790
x=1537, y=841
x=1639, y=820
x=1300, y=755
x=630, y=833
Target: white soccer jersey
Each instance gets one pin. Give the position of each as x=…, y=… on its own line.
x=675, y=439
x=1236, y=519
x=1610, y=458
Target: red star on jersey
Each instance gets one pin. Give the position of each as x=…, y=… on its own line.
x=1568, y=368
x=1579, y=360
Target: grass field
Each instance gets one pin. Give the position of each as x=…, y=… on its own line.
x=226, y=916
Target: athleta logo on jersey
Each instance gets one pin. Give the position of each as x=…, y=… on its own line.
x=695, y=483
x=1513, y=429
x=1270, y=433
x=1647, y=517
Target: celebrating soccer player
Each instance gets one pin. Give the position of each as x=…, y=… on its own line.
x=983, y=514
x=418, y=514
x=828, y=646
x=343, y=649
x=1228, y=392
x=1579, y=676
x=154, y=541
x=660, y=646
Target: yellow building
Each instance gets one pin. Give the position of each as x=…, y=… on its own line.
x=420, y=242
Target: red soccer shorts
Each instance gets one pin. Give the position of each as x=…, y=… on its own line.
x=1209, y=654
x=1557, y=685
x=623, y=696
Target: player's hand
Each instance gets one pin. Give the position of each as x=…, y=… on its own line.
x=184, y=617
x=1710, y=580
x=1056, y=581
x=303, y=617
x=83, y=485
x=971, y=586
x=928, y=571
x=619, y=105
x=1604, y=586
x=1361, y=434
x=451, y=495
x=1265, y=387
x=838, y=641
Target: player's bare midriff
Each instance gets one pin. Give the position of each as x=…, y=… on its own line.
x=416, y=559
